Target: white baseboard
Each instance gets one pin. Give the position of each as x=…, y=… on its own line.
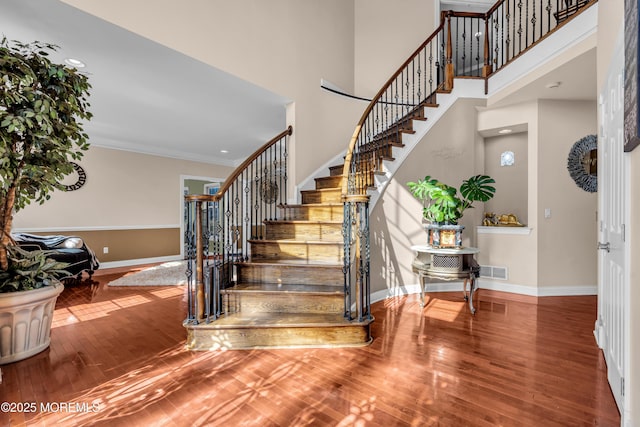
x=487, y=284
x=139, y=261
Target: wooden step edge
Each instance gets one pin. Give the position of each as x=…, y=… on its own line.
x=285, y=289
x=323, y=190
x=291, y=263
x=328, y=177
x=430, y=105
x=384, y=141
x=311, y=205
x=300, y=242
x=302, y=221
x=278, y=321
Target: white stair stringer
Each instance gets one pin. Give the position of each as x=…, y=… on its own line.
x=462, y=88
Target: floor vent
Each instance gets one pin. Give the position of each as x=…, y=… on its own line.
x=492, y=272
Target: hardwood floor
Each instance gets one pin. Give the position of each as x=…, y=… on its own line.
x=117, y=358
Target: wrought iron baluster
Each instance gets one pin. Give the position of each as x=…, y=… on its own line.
x=464, y=47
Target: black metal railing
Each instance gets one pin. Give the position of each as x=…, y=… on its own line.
x=220, y=227
x=516, y=25
x=357, y=285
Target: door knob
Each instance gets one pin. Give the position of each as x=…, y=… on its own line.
x=605, y=246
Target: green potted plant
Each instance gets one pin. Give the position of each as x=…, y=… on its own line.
x=442, y=207
x=41, y=107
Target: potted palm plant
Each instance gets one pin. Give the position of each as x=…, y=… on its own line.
x=41, y=105
x=442, y=208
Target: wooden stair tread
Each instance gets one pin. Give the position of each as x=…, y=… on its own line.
x=279, y=320
x=296, y=206
x=322, y=190
x=284, y=289
x=293, y=262
x=302, y=221
x=293, y=240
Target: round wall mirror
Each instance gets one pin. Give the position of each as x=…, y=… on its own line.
x=582, y=163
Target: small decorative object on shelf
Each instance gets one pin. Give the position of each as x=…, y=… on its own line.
x=503, y=220
x=442, y=208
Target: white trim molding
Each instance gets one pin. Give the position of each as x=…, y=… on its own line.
x=483, y=229
x=139, y=261
x=546, y=291
x=95, y=228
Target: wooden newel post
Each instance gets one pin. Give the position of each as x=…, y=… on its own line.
x=448, y=70
x=487, y=69
x=199, y=263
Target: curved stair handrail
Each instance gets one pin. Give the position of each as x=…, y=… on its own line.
x=376, y=117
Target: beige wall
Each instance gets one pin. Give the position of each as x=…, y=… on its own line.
x=566, y=241
x=517, y=253
x=123, y=191
x=448, y=153
x=387, y=33
x=306, y=40
x=511, y=181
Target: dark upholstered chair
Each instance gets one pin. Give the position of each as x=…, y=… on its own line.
x=69, y=249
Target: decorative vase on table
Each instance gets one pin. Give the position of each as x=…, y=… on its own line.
x=444, y=235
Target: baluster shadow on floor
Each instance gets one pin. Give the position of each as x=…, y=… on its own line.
x=117, y=357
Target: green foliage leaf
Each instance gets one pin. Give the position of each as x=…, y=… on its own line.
x=478, y=188
x=30, y=270
x=441, y=201
x=42, y=110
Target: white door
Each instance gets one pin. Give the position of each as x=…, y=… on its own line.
x=612, y=289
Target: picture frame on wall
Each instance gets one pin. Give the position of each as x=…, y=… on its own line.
x=631, y=116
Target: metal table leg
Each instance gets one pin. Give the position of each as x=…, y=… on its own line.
x=472, y=290
x=423, y=279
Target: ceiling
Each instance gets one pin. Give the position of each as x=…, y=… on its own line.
x=148, y=98
x=151, y=99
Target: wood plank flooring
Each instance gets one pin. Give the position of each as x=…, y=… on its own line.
x=117, y=358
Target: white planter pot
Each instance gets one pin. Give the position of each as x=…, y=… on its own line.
x=25, y=322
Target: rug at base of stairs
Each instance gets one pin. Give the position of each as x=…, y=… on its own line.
x=171, y=273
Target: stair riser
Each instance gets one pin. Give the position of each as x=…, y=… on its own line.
x=315, y=213
x=265, y=302
x=329, y=182
x=336, y=170
x=331, y=196
x=290, y=275
x=323, y=232
x=296, y=251
x=209, y=337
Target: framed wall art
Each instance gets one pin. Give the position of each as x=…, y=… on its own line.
x=631, y=117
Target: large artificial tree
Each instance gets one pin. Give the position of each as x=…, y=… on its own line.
x=42, y=105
